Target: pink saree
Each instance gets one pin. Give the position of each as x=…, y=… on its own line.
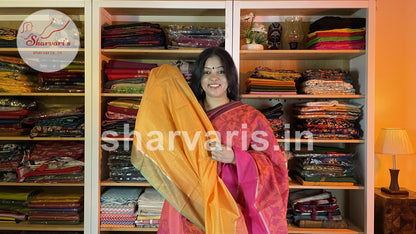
x=258, y=181
x=201, y=194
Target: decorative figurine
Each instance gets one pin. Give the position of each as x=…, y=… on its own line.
x=274, y=35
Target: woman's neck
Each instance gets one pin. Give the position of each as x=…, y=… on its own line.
x=212, y=103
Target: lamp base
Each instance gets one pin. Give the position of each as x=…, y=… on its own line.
x=392, y=192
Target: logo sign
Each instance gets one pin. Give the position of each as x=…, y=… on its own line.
x=48, y=40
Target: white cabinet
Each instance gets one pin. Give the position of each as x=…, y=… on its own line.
x=356, y=201
x=12, y=13
x=188, y=13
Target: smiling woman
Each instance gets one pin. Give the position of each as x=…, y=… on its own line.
x=255, y=176
x=214, y=83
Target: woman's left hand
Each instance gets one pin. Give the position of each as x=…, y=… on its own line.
x=223, y=153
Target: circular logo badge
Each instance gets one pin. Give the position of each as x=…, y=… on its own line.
x=48, y=40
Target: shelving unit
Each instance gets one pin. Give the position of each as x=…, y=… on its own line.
x=12, y=13
x=357, y=204
x=160, y=12
x=357, y=201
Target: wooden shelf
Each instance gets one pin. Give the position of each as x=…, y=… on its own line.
x=295, y=185
x=27, y=7
x=15, y=51
x=351, y=229
x=167, y=54
x=130, y=95
x=42, y=184
x=24, y=226
x=27, y=138
x=127, y=184
x=293, y=140
x=261, y=12
x=161, y=9
x=116, y=139
x=300, y=96
x=300, y=54
x=44, y=94
x=129, y=229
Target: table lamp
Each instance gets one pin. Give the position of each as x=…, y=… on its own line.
x=394, y=141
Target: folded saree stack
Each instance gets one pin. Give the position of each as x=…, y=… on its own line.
x=336, y=33
x=150, y=205
x=11, y=155
x=120, y=166
x=126, y=76
x=8, y=37
x=186, y=69
x=56, y=207
x=13, y=111
x=119, y=206
x=328, y=120
x=14, y=203
x=323, y=166
x=325, y=82
x=57, y=120
x=120, y=118
x=71, y=79
x=16, y=76
x=195, y=36
x=274, y=116
x=315, y=208
x=53, y=162
x=264, y=80
x=133, y=35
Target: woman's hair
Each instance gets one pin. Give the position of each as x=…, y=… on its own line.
x=229, y=69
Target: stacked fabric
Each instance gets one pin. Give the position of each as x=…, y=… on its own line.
x=328, y=120
x=58, y=120
x=315, y=208
x=133, y=35
x=195, y=36
x=53, y=162
x=56, y=207
x=120, y=118
x=150, y=205
x=68, y=80
x=336, y=33
x=14, y=203
x=326, y=82
x=13, y=111
x=186, y=69
x=16, y=76
x=274, y=116
x=118, y=207
x=8, y=37
x=323, y=165
x=120, y=166
x=126, y=76
x=264, y=80
x=11, y=154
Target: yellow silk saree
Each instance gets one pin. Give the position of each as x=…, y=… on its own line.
x=169, y=148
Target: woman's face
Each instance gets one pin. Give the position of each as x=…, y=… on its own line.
x=214, y=81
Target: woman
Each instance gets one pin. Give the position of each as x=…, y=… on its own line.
x=249, y=161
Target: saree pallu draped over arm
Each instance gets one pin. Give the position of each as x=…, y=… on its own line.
x=169, y=150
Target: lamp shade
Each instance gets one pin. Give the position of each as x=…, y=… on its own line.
x=393, y=141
